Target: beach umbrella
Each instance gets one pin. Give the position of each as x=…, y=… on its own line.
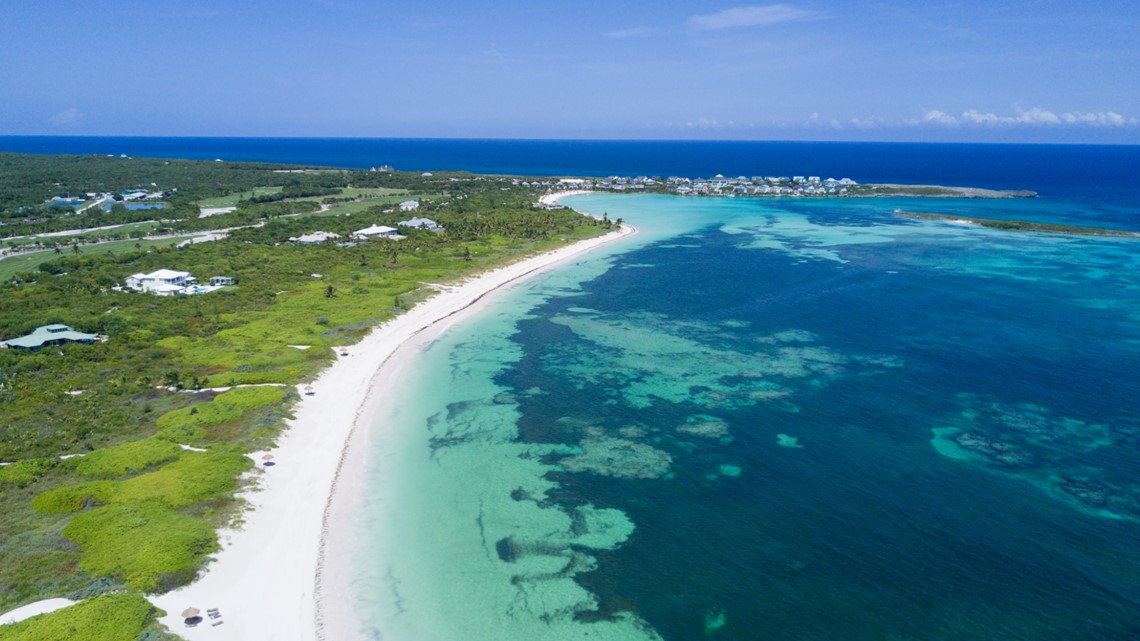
x=308, y=389
x=267, y=457
x=190, y=613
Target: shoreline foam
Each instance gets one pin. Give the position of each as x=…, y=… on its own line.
x=271, y=577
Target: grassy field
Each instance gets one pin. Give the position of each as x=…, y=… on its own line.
x=354, y=192
x=127, y=229
x=232, y=199
x=12, y=265
x=361, y=205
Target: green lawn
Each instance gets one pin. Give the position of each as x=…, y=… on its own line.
x=355, y=192
x=232, y=199
x=361, y=205
x=128, y=228
x=12, y=265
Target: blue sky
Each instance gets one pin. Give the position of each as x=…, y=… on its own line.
x=1028, y=71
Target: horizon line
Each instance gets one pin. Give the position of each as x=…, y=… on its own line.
x=584, y=140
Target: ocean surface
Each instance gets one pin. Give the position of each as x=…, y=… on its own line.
x=778, y=419
x=763, y=418
x=1106, y=170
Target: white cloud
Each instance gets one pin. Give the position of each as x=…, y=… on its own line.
x=815, y=121
x=67, y=118
x=976, y=117
x=1098, y=119
x=753, y=16
x=938, y=117
x=1035, y=117
x=632, y=32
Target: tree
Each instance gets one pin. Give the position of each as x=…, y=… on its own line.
x=330, y=292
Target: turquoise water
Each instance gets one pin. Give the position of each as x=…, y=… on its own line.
x=776, y=419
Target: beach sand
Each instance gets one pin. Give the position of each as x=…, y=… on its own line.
x=553, y=197
x=268, y=581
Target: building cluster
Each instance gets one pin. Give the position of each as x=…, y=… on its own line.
x=762, y=186
x=368, y=233
x=718, y=185
x=127, y=195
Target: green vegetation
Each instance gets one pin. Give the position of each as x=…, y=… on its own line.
x=23, y=472
x=111, y=617
x=226, y=407
x=1021, y=225
x=231, y=200
x=149, y=547
x=27, y=264
x=129, y=458
x=136, y=511
x=128, y=230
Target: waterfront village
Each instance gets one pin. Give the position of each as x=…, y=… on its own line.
x=718, y=185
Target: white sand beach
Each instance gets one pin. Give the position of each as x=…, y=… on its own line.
x=553, y=197
x=267, y=581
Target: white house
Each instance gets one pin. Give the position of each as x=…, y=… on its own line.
x=161, y=282
x=419, y=223
x=409, y=205
x=313, y=238
x=377, y=231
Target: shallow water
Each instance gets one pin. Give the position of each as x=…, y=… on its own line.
x=775, y=419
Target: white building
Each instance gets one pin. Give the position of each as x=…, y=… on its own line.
x=314, y=238
x=377, y=231
x=409, y=205
x=419, y=223
x=162, y=282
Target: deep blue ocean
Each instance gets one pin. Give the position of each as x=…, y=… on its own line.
x=1086, y=170
x=819, y=421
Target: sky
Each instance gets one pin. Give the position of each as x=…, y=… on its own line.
x=968, y=71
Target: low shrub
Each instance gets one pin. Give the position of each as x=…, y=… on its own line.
x=225, y=407
x=127, y=458
x=196, y=476
x=22, y=473
x=148, y=546
x=111, y=617
x=74, y=498
x=184, y=434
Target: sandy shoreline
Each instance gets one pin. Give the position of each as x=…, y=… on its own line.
x=277, y=576
x=553, y=197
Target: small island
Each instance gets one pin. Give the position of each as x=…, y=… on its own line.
x=1020, y=225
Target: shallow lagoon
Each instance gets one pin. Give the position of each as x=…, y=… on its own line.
x=746, y=423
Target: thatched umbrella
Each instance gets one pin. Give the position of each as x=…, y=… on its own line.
x=309, y=390
x=267, y=457
x=190, y=613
